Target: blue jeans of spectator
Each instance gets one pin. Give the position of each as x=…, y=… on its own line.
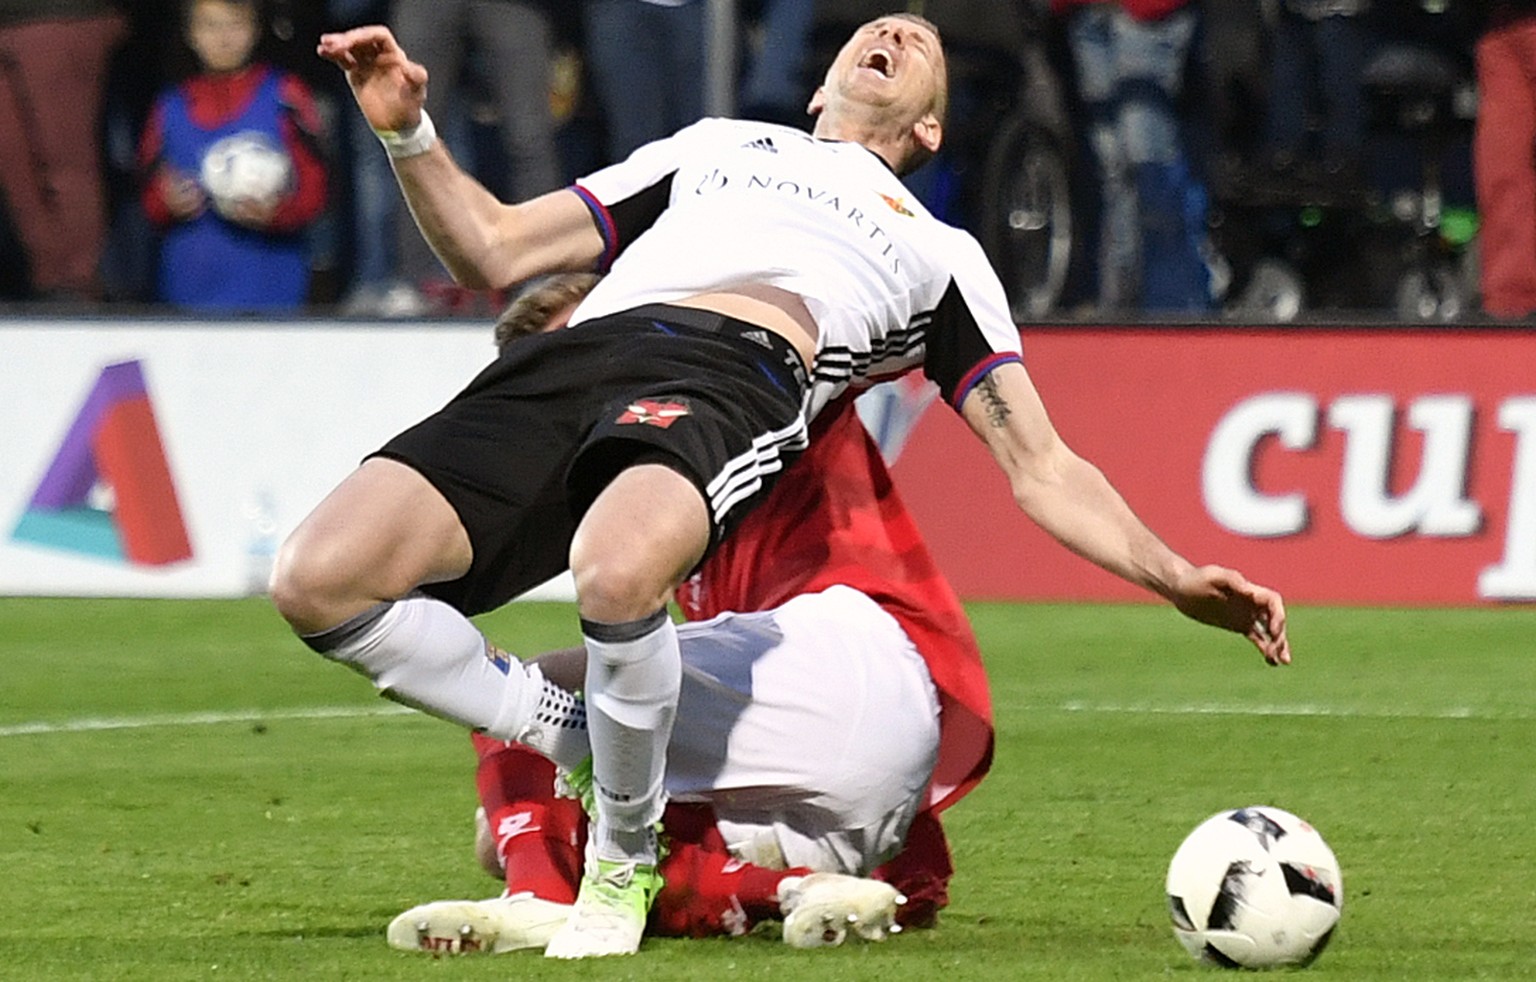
x=1129, y=76
x=375, y=198
x=647, y=63
x=1322, y=58
x=375, y=208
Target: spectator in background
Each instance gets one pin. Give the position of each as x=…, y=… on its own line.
x=232, y=173
x=377, y=287
x=53, y=64
x=1130, y=58
x=1317, y=62
x=144, y=63
x=773, y=89
x=1504, y=169
x=504, y=49
x=647, y=64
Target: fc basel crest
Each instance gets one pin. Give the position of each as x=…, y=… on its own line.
x=654, y=412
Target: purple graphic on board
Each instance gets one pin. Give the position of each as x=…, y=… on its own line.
x=115, y=442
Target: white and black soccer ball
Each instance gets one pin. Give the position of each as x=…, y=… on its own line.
x=247, y=166
x=1254, y=887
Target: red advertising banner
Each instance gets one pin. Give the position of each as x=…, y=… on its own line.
x=1356, y=466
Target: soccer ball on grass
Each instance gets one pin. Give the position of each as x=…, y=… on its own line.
x=1254, y=887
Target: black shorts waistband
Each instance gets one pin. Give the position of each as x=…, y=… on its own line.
x=711, y=322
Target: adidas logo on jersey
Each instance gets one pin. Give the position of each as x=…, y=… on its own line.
x=757, y=337
x=762, y=143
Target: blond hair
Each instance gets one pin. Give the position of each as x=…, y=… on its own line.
x=537, y=306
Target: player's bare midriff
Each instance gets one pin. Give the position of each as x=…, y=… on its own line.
x=780, y=311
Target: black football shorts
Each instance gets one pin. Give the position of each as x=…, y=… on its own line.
x=525, y=449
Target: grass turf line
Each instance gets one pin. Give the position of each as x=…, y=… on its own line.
x=277, y=846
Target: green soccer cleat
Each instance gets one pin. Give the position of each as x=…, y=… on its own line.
x=610, y=912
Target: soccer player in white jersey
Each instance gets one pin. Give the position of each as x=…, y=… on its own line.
x=753, y=273
x=828, y=580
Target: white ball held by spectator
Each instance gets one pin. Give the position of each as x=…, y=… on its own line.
x=248, y=166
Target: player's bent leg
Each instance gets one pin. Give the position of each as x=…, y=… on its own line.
x=422, y=653
x=526, y=836
x=382, y=532
x=343, y=581
x=643, y=533
x=634, y=672
x=463, y=927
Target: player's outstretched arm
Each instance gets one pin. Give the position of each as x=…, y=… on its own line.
x=482, y=241
x=1073, y=501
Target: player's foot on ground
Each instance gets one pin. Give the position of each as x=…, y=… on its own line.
x=463, y=927
x=609, y=916
x=821, y=909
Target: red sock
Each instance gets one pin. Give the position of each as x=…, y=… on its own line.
x=921, y=871
x=708, y=892
x=537, y=835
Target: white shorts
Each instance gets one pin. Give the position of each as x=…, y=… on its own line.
x=812, y=729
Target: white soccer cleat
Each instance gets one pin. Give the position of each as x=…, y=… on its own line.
x=464, y=927
x=610, y=912
x=821, y=909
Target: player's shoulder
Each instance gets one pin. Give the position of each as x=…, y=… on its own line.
x=940, y=231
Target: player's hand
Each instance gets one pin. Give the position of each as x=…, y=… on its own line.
x=1223, y=598
x=390, y=88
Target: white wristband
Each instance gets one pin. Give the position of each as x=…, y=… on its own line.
x=412, y=142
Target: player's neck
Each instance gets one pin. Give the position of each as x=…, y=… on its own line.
x=875, y=139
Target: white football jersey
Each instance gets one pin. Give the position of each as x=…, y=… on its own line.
x=726, y=203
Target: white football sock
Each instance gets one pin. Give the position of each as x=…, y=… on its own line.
x=421, y=652
x=634, y=672
x=558, y=729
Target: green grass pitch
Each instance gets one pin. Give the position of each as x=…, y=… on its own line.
x=187, y=793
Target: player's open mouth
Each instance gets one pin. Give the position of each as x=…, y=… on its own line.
x=879, y=61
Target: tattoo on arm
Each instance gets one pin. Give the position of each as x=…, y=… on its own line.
x=992, y=400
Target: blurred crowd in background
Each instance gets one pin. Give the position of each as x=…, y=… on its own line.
x=1173, y=159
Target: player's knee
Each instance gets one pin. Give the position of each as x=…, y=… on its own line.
x=290, y=592
x=309, y=589
x=614, y=587
x=626, y=568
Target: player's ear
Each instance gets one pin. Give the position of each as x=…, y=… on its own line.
x=818, y=101
x=928, y=132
